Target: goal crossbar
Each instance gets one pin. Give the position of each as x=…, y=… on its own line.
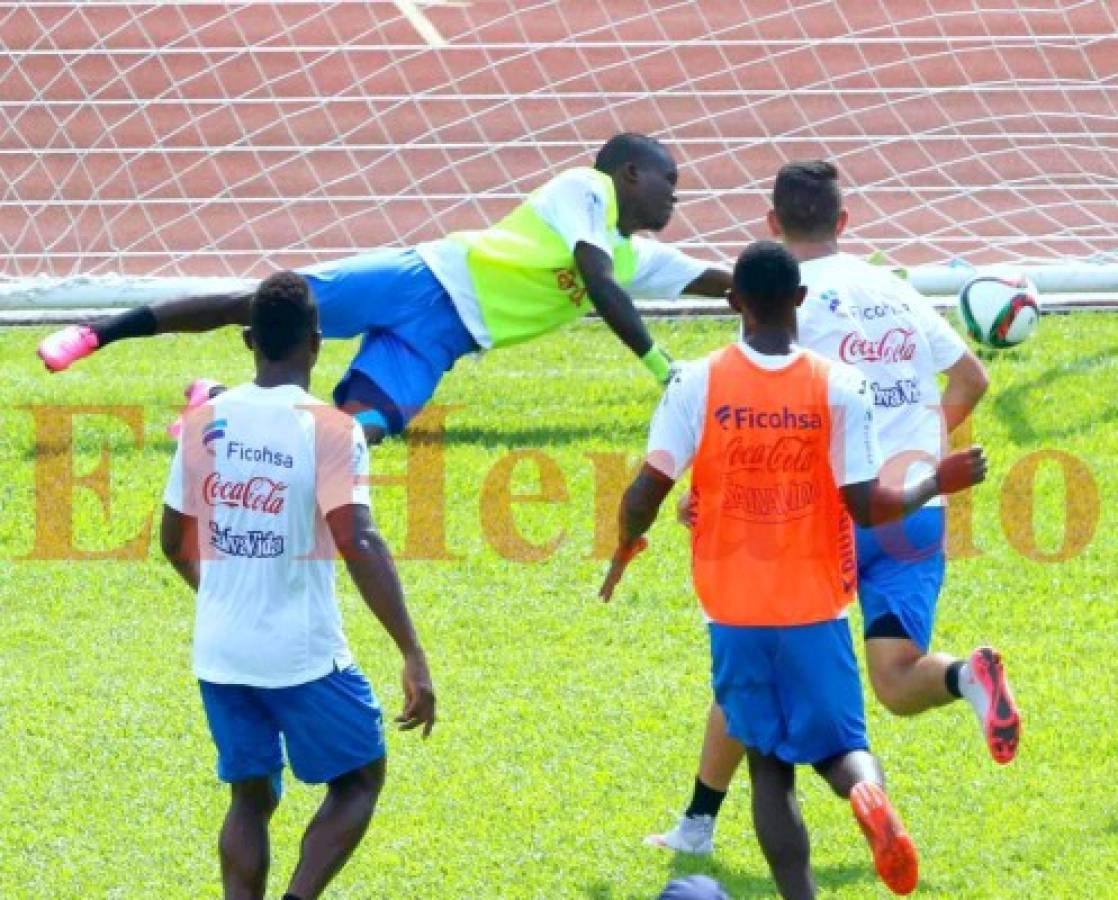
x=40, y=300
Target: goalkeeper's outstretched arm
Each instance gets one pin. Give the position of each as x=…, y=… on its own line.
x=615, y=306
x=714, y=282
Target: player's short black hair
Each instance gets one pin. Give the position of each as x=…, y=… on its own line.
x=628, y=147
x=284, y=315
x=807, y=199
x=766, y=278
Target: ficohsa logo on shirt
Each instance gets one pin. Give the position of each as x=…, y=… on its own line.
x=259, y=494
x=268, y=456
x=214, y=431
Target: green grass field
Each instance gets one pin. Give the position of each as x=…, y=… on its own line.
x=568, y=729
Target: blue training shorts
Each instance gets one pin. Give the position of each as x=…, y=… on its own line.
x=900, y=572
x=330, y=726
x=792, y=692
x=412, y=333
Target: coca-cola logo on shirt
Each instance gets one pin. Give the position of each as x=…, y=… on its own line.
x=894, y=346
x=258, y=494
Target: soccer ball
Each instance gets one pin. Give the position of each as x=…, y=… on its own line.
x=1000, y=310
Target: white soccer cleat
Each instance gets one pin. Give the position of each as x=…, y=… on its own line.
x=692, y=834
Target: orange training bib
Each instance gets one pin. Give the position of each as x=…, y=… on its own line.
x=772, y=542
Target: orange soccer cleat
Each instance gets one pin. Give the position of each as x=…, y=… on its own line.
x=894, y=854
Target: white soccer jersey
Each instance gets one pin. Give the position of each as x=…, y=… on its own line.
x=677, y=425
x=864, y=315
x=259, y=468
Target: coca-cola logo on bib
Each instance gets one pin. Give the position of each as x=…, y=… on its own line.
x=786, y=454
x=258, y=494
x=894, y=346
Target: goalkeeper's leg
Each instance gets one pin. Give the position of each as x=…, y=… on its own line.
x=343, y=290
x=63, y=348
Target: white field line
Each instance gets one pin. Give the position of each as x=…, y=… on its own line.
x=420, y=22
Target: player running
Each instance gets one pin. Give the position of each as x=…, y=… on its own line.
x=569, y=247
x=265, y=482
x=784, y=452
x=863, y=315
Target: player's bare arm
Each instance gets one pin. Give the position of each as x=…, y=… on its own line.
x=610, y=299
x=714, y=282
x=870, y=503
x=639, y=508
x=178, y=539
x=370, y=565
x=642, y=501
x=967, y=382
x=685, y=509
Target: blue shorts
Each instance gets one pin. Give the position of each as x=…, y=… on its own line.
x=790, y=692
x=412, y=331
x=900, y=572
x=330, y=726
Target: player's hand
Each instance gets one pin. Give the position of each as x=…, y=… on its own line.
x=686, y=509
x=673, y=370
x=961, y=470
x=419, y=695
x=621, y=558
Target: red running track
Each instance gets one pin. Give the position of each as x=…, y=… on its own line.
x=204, y=138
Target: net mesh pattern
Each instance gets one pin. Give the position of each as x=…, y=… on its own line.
x=229, y=139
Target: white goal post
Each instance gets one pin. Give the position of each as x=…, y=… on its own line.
x=50, y=300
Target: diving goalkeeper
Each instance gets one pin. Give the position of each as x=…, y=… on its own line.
x=569, y=247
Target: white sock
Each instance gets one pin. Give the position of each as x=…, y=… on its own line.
x=972, y=691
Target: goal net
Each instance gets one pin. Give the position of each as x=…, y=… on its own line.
x=165, y=141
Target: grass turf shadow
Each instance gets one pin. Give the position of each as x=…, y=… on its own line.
x=739, y=885
x=529, y=438
x=541, y=438
x=758, y=882
x=1012, y=406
